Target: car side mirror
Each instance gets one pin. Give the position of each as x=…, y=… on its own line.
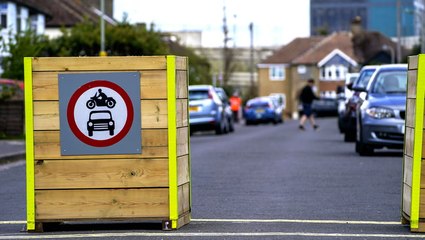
x=349, y=86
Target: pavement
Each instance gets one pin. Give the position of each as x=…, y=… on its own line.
x=11, y=150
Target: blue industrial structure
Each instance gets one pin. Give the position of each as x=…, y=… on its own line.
x=376, y=15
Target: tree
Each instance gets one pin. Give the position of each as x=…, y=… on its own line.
x=24, y=44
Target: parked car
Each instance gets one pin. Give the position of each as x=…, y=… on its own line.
x=261, y=110
x=280, y=102
x=206, y=110
x=11, y=89
x=348, y=120
x=325, y=106
x=343, y=97
x=229, y=114
x=381, y=110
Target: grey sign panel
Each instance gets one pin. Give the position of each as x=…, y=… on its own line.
x=100, y=113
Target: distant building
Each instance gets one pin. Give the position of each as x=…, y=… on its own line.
x=325, y=59
x=377, y=15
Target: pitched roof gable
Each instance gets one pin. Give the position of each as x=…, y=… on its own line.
x=292, y=50
x=333, y=55
x=340, y=40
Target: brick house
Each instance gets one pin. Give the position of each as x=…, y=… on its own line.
x=327, y=59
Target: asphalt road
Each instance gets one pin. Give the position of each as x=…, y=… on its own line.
x=261, y=182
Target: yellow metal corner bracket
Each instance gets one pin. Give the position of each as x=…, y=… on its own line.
x=29, y=144
x=417, y=147
x=172, y=140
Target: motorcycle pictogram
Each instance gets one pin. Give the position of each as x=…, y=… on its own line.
x=100, y=99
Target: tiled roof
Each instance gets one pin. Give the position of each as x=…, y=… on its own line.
x=294, y=49
x=63, y=12
x=341, y=41
x=361, y=48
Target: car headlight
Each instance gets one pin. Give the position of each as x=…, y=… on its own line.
x=90, y=124
x=378, y=112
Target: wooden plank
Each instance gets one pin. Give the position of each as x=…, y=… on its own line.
x=111, y=173
x=181, y=84
x=181, y=63
x=182, y=113
x=153, y=114
x=46, y=115
x=413, y=62
x=408, y=141
x=150, y=137
x=411, y=83
x=127, y=63
x=407, y=193
x=153, y=85
x=407, y=170
x=183, y=220
x=410, y=112
x=154, y=145
x=43, y=151
x=184, y=198
x=183, y=170
x=101, y=203
x=182, y=141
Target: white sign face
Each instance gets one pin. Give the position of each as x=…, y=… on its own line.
x=100, y=113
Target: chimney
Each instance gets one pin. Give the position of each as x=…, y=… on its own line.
x=356, y=26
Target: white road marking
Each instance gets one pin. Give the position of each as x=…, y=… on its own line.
x=214, y=234
x=11, y=165
x=298, y=221
x=230, y=234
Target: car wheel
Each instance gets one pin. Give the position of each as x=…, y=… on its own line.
x=349, y=136
x=90, y=133
x=111, y=132
x=219, y=129
x=361, y=148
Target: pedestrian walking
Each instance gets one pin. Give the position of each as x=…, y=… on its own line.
x=235, y=105
x=306, y=98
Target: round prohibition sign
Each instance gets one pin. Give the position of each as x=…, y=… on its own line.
x=71, y=118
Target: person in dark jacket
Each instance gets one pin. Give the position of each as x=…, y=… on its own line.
x=306, y=98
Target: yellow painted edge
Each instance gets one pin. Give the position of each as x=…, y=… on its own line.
x=172, y=138
x=417, y=147
x=29, y=143
x=190, y=160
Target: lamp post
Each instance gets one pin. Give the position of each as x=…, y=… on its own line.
x=102, y=29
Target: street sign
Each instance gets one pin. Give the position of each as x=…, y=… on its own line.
x=100, y=113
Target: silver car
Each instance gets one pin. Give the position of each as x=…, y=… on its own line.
x=206, y=110
x=381, y=112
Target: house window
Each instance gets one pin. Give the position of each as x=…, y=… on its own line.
x=277, y=73
x=3, y=15
x=333, y=72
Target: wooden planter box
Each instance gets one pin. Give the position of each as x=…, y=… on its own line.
x=152, y=185
x=413, y=200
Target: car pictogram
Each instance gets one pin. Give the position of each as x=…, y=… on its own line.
x=100, y=121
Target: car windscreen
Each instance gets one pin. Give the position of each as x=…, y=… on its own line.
x=258, y=104
x=198, y=94
x=100, y=115
x=388, y=82
x=363, y=79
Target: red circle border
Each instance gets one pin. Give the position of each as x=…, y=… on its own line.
x=73, y=125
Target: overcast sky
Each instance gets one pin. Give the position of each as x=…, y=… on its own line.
x=276, y=22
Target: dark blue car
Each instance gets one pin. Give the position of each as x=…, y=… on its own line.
x=260, y=110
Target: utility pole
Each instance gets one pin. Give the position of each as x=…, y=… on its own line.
x=251, y=60
x=227, y=53
x=398, y=31
x=102, y=29
x=422, y=28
